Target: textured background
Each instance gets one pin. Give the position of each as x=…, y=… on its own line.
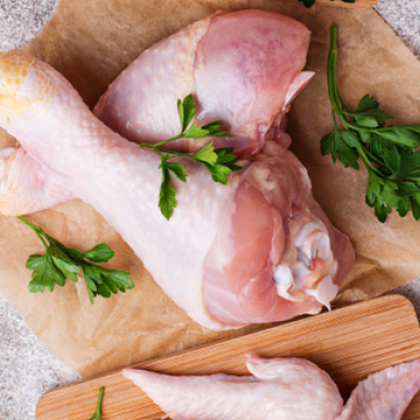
x=27, y=369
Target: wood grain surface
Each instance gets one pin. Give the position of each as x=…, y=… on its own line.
x=361, y=4
x=349, y=343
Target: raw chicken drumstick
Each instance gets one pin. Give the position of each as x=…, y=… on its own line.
x=244, y=69
x=259, y=249
x=280, y=389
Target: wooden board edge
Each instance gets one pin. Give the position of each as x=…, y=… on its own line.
x=388, y=301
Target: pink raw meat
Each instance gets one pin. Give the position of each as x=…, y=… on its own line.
x=280, y=389
x=385, y=395
x=261, y=244
x=27, y=186
x=244, y=68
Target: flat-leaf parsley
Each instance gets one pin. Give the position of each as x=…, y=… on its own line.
x=219, y=162
x=389, y=153
x=60, y=263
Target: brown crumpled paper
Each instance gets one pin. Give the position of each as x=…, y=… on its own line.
x=91, y=42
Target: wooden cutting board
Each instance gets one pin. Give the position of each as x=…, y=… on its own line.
x=349, y=343
x=361, y=4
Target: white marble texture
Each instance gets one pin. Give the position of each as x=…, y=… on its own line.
x=27, y=369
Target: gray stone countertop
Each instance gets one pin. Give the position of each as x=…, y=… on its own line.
x=27, y=369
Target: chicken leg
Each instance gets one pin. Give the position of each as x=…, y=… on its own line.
x=260, y=246
x=260, y=55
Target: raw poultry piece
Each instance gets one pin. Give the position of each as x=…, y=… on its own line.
x=27, y=186
x=244, y=68
x=259, y=249
x=289, y=389
x=280, y=389
x=385, y=395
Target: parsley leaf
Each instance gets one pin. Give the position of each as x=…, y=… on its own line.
x=186, y=111
x=214, y=129
x=310, y=3
x=366, y=103
x=415, y=205
x=224, y=155
x=101, y=253
x=219, y=173
x=341, y=144
x=45, y=275
x=167, y=201
x=178, y=170
x=219, y=162
x=371, y=117
x=389, y=153
x=60, y=263
x=206, y=154
x=195, y=132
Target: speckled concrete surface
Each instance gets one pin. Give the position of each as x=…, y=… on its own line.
x=404, y=17
x=27, y=369
x=20, y=21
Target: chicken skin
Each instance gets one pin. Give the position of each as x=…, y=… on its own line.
x=280, y=389
x=260, y=55
x=257, y=250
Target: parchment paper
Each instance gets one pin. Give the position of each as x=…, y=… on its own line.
x=91, y=42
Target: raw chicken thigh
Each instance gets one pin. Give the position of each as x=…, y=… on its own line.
x=280, y=389
x=244, y=69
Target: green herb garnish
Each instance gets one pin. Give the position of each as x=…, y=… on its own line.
x=219, y=162
x=389, y=153
x=97, y=413
x=310, y=3
x=61, y=263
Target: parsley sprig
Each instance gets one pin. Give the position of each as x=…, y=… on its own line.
x=389, y=153
x=97, y=413
x=310, y=3
x=219, y=162
x=60, y=263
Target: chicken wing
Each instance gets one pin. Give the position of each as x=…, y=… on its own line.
x=280, y=389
